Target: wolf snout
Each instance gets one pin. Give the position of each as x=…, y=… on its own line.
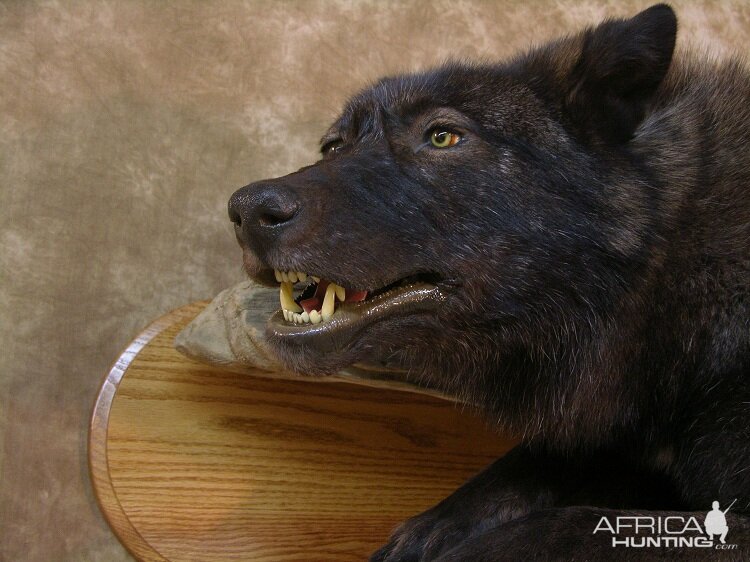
x=261, y=211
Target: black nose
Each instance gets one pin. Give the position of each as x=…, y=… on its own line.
x=262, y=209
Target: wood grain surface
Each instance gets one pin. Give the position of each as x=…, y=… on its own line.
x=193, y=462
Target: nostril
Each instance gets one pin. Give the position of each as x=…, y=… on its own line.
x=266, y=219
x=269, y=220
x=234, y=214
x=273, y=214
x=261, y=207
x=235, y=217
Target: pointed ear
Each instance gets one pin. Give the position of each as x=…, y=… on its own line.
x=622, y=63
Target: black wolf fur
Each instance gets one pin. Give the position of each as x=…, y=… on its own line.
x=592, y=233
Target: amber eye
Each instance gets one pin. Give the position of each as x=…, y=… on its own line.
x=331, y=147
x=440, y=138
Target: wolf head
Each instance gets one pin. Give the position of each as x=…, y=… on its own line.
x=474, y=221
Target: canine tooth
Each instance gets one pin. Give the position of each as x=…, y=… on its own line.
x=302, y=276
x=287, y=300
x=277, y=274
x=292, y=275
x=315, y=317
x=305, y=317
x=316, y=279
x=340, y=292
x=328, y=302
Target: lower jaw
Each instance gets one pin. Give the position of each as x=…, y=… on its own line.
x=349, y=320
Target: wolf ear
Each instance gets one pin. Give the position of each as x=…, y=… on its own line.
x=622, y=63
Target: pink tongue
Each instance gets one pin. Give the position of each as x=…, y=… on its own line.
x=310, y=304
x=316, y=301
x=356, y=297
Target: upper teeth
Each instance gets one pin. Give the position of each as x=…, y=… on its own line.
x=287, y=298
x=328, y=302
x=294, y=312
x=291, y=276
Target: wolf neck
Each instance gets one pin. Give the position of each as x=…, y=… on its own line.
x=683, y=323
x=695, y=138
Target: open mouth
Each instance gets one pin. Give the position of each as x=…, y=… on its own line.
x=310, y=303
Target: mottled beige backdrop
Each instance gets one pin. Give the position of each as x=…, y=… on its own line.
x=124, y=128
